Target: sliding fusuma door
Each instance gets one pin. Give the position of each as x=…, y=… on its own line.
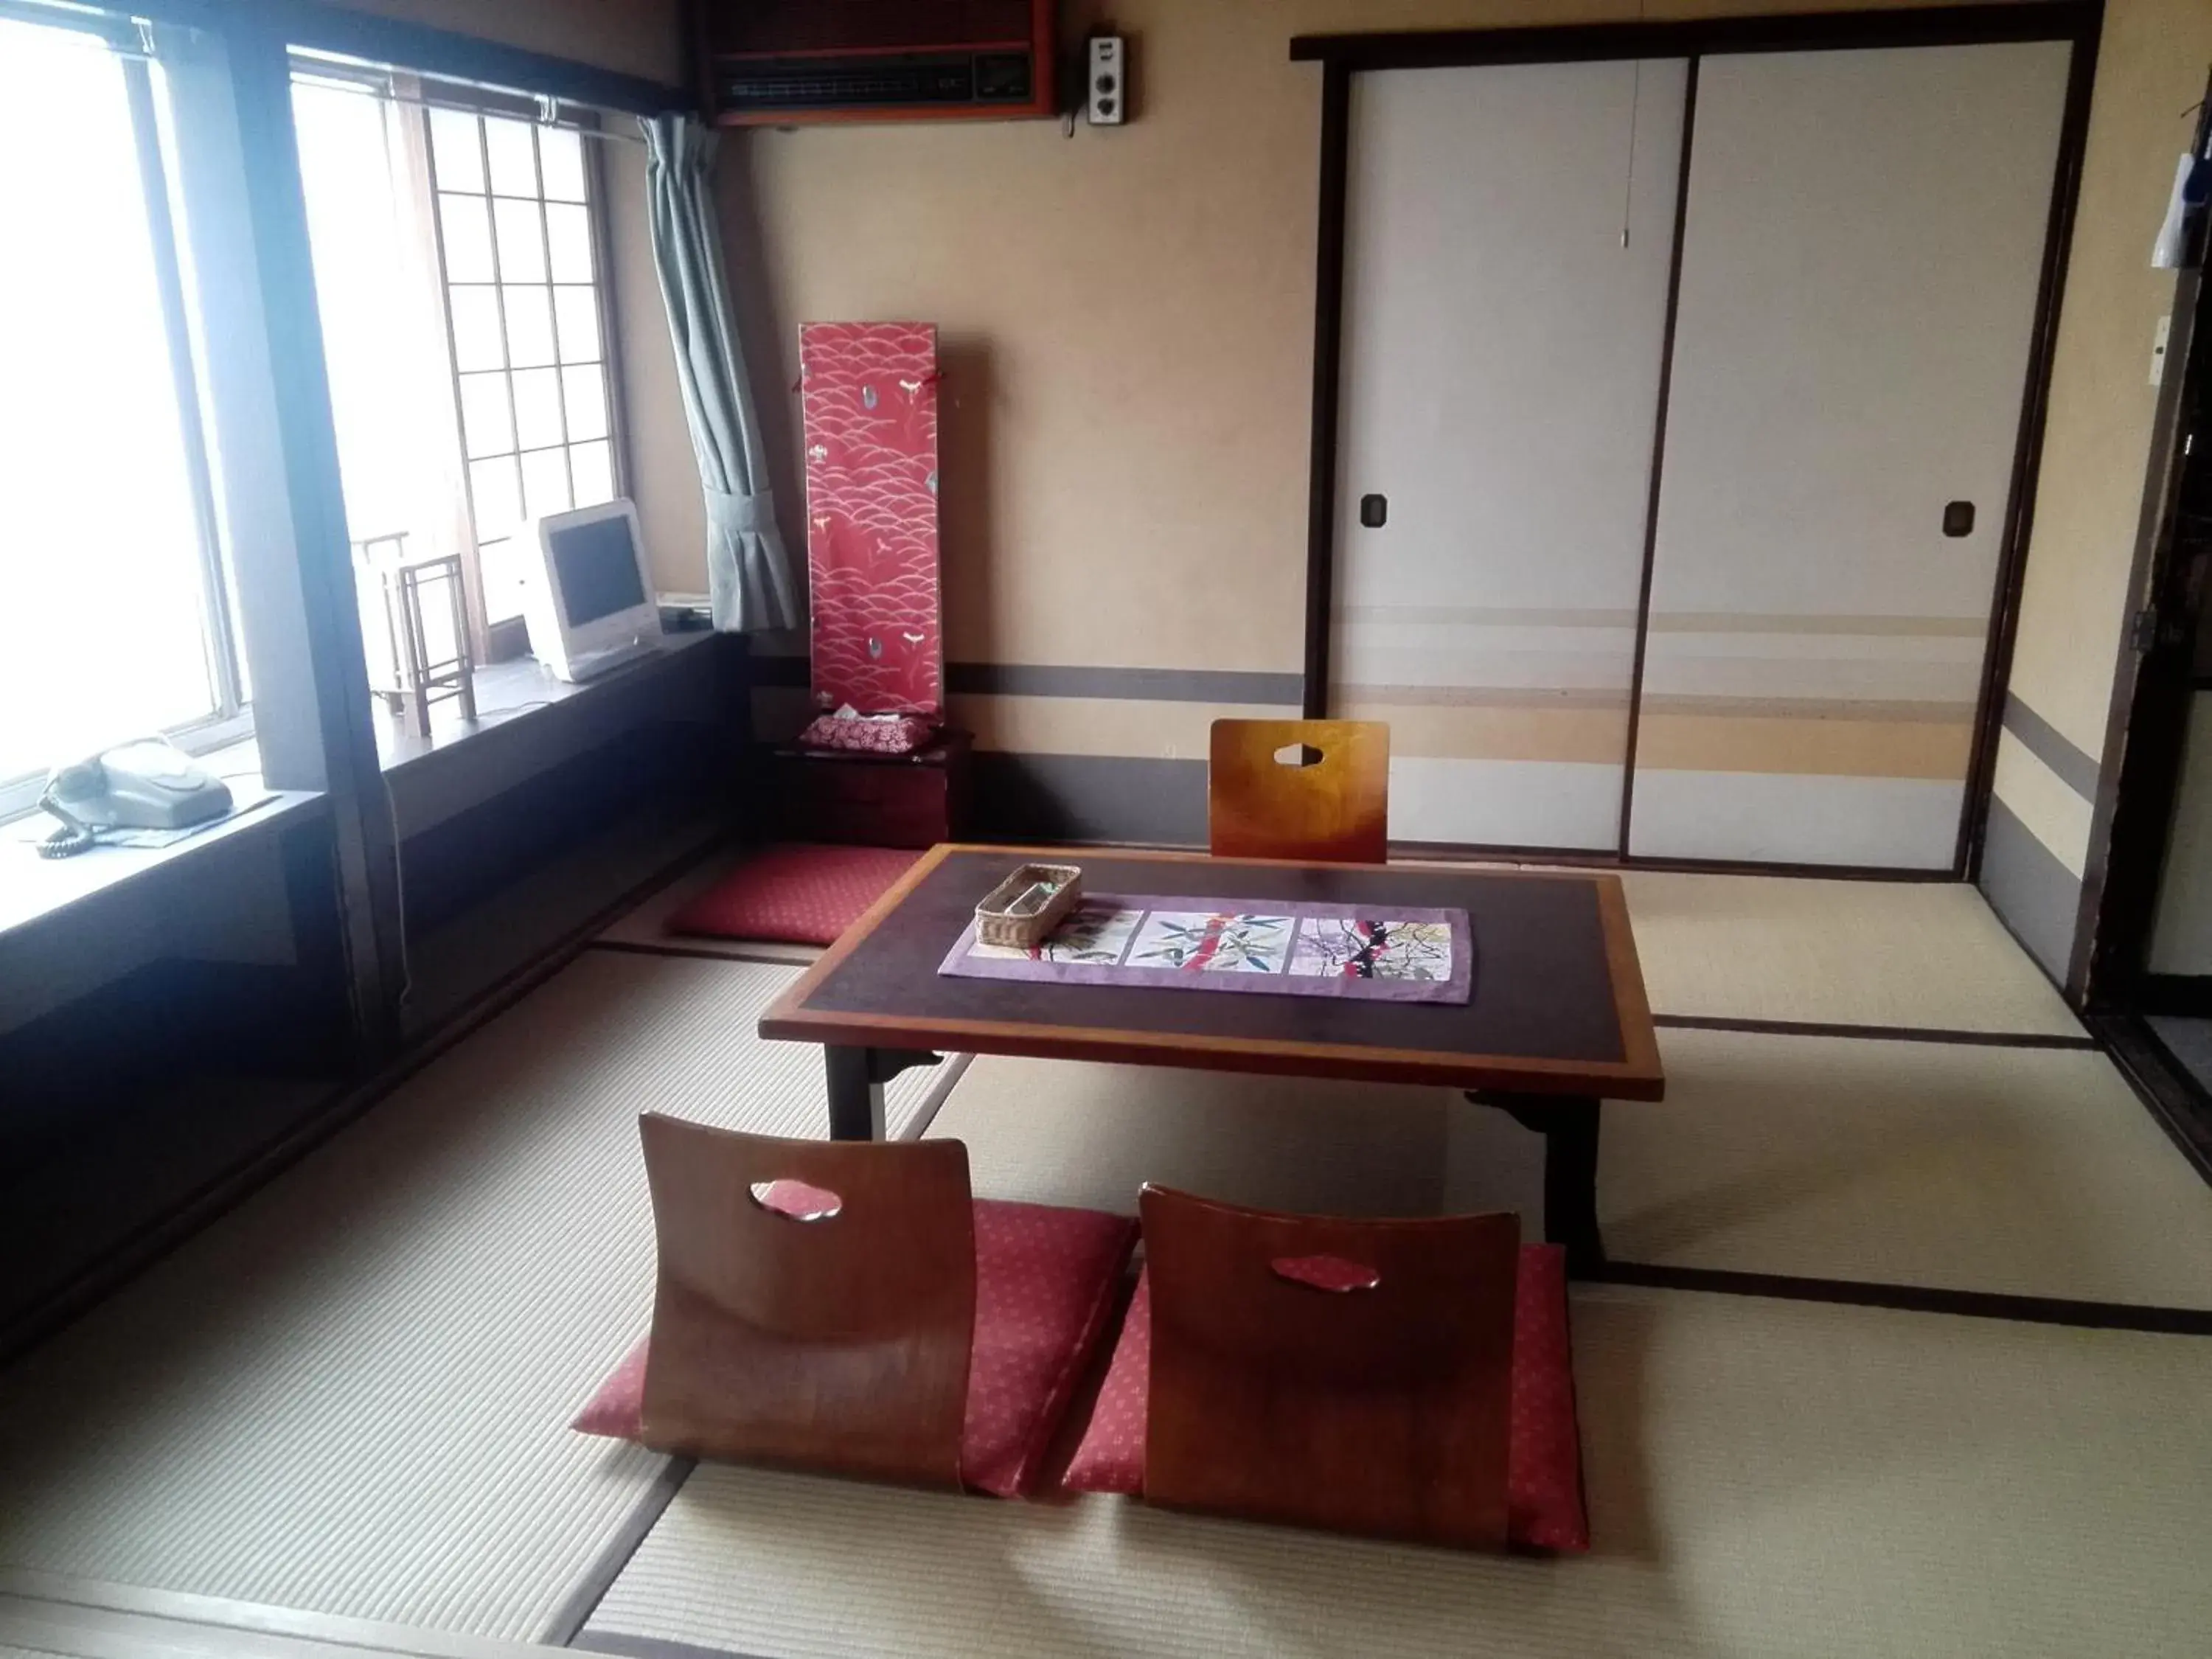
x=1508, y=233
x=1862, y=244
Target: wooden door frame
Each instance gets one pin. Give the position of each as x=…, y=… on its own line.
x=2155, y=679
x=2076, y=23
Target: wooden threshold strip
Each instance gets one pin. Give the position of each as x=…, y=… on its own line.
x=1913, y=1298
x=1876, y=1033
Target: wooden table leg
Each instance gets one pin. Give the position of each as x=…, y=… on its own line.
x=1569, y=1124
x=857, y=1076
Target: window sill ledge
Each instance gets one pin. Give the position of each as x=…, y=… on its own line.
x=33, y=889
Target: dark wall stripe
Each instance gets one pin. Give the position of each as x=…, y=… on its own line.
x=1093, y=798
x=2042, y=740
x=996, y=679
x=987, y=679
x=2032, y=893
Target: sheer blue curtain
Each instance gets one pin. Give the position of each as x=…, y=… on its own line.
x=748, y=574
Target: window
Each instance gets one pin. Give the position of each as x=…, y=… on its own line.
x=522, y=300
x=457, y=269
x=114, y=598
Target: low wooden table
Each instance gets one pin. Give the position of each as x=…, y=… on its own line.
x=1556, y=1020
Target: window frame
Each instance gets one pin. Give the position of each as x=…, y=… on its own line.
x=230, y=717
x=508, y=637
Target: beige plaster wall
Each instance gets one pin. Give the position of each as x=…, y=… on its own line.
x=1128, y=317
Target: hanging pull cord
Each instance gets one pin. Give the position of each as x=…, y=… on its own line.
x=1628, y=185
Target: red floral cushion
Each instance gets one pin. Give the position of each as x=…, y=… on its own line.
x=1543, y=1460
x=901, y=734
x=794, y=895
x=1045, y=1279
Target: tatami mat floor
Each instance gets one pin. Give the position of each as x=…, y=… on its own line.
x=351, y=1395
x=2016, y=1171
x=348, y=1395
x=2008, y=1171
x=1764, y=1480
x=1929, y=956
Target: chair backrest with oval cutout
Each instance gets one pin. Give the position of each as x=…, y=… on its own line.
x=1299, y=789
x=815, y=1303
x=1355, y=1374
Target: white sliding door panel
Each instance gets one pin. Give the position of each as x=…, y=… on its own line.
x=1864, y=240
x=1500, y=370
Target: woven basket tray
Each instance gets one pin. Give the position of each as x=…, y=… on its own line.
x=998, y=920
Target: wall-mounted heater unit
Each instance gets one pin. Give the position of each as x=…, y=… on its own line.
x=780, y=62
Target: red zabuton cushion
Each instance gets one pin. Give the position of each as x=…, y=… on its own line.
x=1045, y=1279
x=794, y=895
x=1543, y=1459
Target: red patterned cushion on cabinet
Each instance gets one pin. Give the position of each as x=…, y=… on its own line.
x=900, y=734
x=1543, y=1474
x=1045, y=1279
x=794, y=895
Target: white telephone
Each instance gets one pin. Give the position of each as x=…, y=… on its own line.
x=148, y=785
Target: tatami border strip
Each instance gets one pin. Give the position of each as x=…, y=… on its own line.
x=575, y=1609
x=1912, y=1298
x=30, y=1586
x=649, y=1647
x=695, y=953
x=1876, y=1033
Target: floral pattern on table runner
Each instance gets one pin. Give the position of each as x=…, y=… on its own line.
x=1390, y=952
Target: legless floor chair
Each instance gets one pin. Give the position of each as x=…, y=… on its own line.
x=1299, y=789
x=848, y=1307
x=1403, y=1379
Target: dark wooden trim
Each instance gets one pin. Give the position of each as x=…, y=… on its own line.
x=329, y=675
x=445, y=53
x=1635, y=1076
x=2027, y=449
x=2189, y=995
x=1328, y=369
x=1931, y=26
x=2171, y=1095
x=1915, y=1298
x=1874, y=1033
x=1658, y=454
x=2147, y=719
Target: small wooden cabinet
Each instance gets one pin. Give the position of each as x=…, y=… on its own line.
x=871, y=801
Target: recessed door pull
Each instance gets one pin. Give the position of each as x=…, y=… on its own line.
x=1373, y=510
x=1958, y=517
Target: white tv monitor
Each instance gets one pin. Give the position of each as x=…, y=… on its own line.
x=587, y=597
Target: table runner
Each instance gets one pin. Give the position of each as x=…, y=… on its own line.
x=1394, y=953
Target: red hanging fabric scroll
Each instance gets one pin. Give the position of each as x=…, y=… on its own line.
x=868, y=394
